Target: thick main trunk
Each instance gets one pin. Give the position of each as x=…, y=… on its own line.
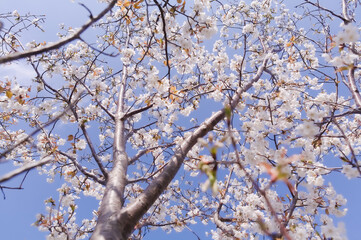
x=108, y=225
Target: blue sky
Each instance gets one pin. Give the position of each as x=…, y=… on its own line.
x=19, y=208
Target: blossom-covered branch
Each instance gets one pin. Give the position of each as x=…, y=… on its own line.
x=59, y=44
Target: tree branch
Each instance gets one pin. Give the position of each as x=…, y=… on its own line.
x=82, y=169
x=165, y=36
x=132, y=113
x=94, y=153
x=344, y=19
x=24, y=168
x=353, y=87
x=57, y=45
x=144, y=151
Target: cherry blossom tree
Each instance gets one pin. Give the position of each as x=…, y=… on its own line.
x=179, y=113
